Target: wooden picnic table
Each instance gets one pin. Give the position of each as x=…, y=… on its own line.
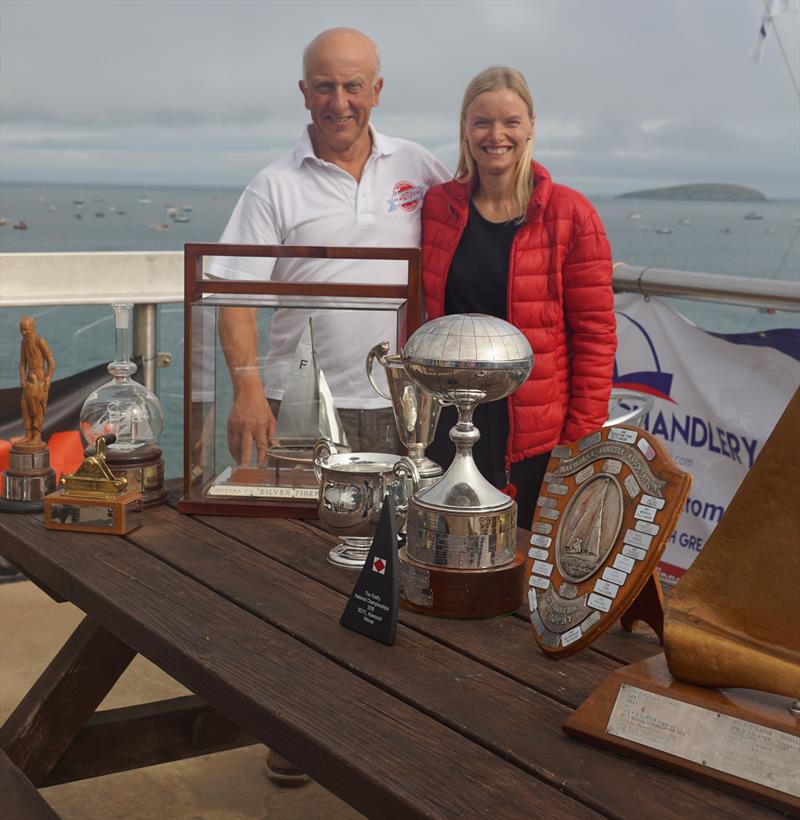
x=457, y=719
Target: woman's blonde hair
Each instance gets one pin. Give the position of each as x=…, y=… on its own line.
x=497, y=78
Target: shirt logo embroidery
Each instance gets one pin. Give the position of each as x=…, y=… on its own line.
x=405, y=196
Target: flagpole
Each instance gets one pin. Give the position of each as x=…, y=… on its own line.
x=771, y=21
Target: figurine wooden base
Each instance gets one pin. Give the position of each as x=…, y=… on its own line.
x=661, y=719
x=114, y=516
x=461, y=593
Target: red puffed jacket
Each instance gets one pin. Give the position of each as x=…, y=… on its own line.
x=559, y=295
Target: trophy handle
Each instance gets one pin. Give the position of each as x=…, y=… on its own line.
x=378, y=352
x=405, y=469
x=322, y=449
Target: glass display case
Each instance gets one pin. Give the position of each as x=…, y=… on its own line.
x=271, y=366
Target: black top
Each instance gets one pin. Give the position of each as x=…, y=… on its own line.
x=478, y=277
x=478, y=283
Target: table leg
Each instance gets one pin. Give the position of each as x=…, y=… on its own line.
x=44, y=724
x=282, y=772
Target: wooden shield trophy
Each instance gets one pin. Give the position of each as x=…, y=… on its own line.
x=607, y=506
x=730, y=639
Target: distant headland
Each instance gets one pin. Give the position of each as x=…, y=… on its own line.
x=710, y=191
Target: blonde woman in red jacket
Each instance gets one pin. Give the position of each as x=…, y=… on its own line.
x=503, y=239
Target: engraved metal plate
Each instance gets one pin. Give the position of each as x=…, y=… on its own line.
x=544, y=501
x=538, y=553
x=571, y=636
x=645, y=513
x=624, y=563
x=585, y=474
x=751, y=751
x=561, y=614
x=606, y=588
x=67, y=514
x=638, y=539
x=415, y=585
x=651, y=501
x=631, y=486
x=568, y=590
x=557, y=489
x=560, y=452
x=644, y=445
x=634, y=552
x=599, y=602
x=612, y=466
x=648, y=527
x=586, y=442
x=532, y=599
x=542, y=527
x=539, y=582
x=541, y=540
x=553, y=515
x=621, y=434
x=590, y=621
x=542, y=568
x=615, y=576
x=536, y=620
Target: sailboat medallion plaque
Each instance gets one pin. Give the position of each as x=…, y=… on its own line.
x=607, y=507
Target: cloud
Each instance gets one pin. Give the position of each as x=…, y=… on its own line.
x=649, y=89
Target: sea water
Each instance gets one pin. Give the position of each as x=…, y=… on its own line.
x=708, y=237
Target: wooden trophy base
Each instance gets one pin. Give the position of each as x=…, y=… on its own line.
x=113, y=516
x=739, y=740
x=445, y=592
x=28, y=479
x=144, y=469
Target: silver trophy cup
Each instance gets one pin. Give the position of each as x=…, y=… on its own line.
x=416, y=412
x=352, y=487
x=462, y=521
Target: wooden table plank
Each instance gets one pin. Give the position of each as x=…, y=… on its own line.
x=353, y=738
x=496, y=710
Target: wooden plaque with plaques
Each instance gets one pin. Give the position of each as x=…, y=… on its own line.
x=607, y=506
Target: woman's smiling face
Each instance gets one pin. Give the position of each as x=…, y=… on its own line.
x=497, y=127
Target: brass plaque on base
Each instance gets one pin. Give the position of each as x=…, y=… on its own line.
x=607, y=506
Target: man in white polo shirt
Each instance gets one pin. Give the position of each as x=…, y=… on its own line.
x=343, y=184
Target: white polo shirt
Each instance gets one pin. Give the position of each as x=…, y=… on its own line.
x=303, y=200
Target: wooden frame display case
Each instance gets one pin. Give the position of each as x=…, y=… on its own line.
x=214, y=483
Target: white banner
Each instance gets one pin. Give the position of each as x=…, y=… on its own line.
x=716, y=403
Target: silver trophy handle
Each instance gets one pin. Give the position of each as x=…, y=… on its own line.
x=405, y=470
x=322, y=449
x=378, y=352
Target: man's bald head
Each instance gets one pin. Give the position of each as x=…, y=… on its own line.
x=342, y=41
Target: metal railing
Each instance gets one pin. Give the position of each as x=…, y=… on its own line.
x=150, y=278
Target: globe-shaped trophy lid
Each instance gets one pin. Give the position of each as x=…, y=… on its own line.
x=466, y=354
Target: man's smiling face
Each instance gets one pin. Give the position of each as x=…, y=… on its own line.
x=341, y=87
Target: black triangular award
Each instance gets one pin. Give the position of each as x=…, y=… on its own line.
x=374, y=601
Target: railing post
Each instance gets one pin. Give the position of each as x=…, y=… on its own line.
x=145, y=339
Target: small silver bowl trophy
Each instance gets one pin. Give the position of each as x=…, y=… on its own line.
x=460, y=558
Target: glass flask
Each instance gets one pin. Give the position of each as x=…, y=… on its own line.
x=122, y=406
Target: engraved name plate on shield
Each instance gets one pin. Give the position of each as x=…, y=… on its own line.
x=597, y=557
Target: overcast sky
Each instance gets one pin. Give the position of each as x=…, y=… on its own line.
x=628, y=93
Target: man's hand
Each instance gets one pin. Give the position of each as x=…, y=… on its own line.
x=250, y=420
